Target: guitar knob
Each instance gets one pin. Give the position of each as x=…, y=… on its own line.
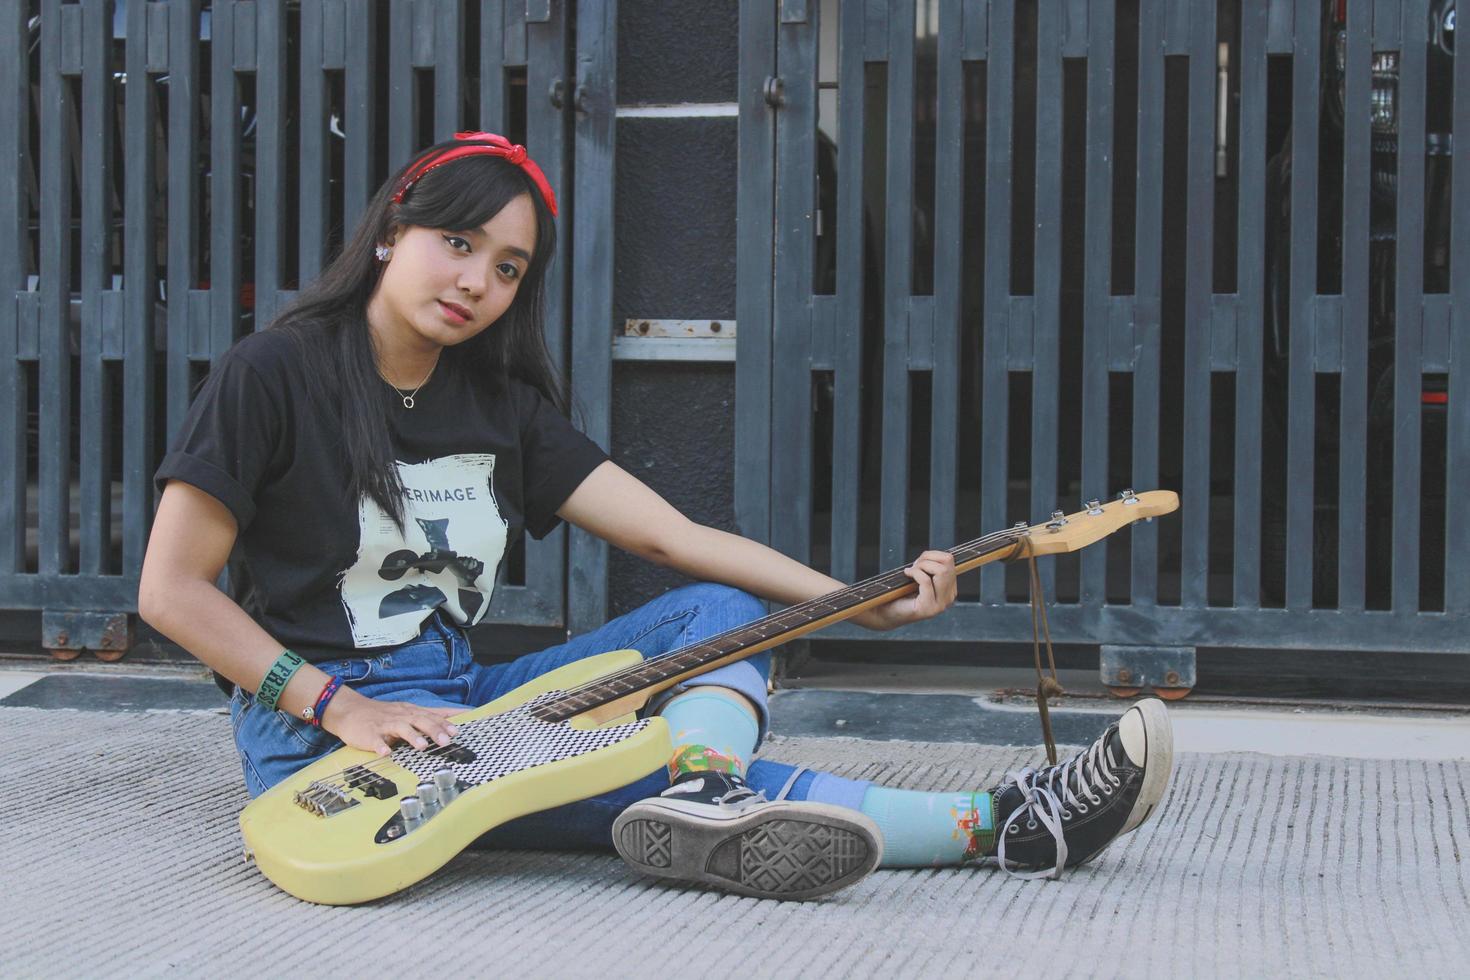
x=447, y=783
x=429, y=797
x=411, y=808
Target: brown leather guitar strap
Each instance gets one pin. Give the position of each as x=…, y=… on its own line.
x=1045, y=686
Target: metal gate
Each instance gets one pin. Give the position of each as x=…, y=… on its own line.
x=1027, y=254
x=174, y=171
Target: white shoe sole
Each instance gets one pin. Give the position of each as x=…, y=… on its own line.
x=783, y=850
x=1157, y=737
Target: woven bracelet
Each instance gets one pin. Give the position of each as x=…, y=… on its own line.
x=313, y=714
x=276, y=679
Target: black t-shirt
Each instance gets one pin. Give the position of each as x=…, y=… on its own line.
x=481, y=459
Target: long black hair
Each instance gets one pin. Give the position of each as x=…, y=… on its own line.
x=329, y=317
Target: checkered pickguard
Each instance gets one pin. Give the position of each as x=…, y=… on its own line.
x=513, y=741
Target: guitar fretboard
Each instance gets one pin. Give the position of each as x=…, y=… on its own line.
x=765, y=632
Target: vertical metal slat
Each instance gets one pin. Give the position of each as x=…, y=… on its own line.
x=1356, y=204
x=592, y=270
x=1409, y=309
x=313, y=192
x=755, y=272
x=95, y=426
x=995, y=382
x=1096, y=284
x=140, y=284
x=1250, y=285
x=898, y=254
x=1457, y=435
x=847, y=376
x=492, y=68
x=791, y=392
x=183, y=183
x=949, y=235
x=402, y=116
x=359, y=176
x=1148, y=289
x=1199, y=290
x=546, y=60
x=270, y=156
x=14, y=246
x=224, y=185
x=448, y=68
x=1301, y=386
x=1047, y=267
x=55, y=301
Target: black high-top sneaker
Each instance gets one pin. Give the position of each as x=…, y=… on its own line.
x=710, y=828
x=1064, y=815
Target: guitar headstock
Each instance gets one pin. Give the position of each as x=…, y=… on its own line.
x=1076, y=531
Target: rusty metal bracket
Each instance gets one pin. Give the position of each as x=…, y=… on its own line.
x=1129, y=666
x=108, y=635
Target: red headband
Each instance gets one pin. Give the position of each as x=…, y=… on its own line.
x=474, y=145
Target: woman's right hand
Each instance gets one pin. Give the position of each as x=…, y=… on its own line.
x=365, y=723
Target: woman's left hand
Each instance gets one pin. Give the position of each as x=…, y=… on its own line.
x=935, y=573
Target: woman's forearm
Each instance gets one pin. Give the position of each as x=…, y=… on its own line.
x=197, y=616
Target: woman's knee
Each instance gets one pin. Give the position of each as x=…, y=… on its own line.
x=726, y=607
x=738, y=604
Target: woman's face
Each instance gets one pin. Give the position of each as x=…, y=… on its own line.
x=444, y=287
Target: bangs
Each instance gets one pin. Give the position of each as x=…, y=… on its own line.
x=465, y=194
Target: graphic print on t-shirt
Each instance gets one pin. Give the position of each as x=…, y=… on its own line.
x=446, y=556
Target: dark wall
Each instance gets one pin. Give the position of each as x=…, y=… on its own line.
x=673, y=423
x=677, y=51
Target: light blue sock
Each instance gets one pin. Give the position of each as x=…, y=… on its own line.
x=711, y=730
x=930, y=830
x=920, y=830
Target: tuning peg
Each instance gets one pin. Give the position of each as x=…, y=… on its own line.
x=1057, y=522
x=1128, y=496
x=1094, y=506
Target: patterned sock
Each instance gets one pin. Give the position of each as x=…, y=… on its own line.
x=920, y=830
x=711, y=730
x=931, y=830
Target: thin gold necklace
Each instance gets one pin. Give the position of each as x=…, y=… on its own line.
x=408, y=398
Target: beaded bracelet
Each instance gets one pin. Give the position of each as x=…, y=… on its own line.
x=312, y=713
x=276, y=679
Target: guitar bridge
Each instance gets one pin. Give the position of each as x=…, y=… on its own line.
x=325, y=800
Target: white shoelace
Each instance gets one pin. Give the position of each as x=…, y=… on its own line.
x=1091, y=769
x=739, y=797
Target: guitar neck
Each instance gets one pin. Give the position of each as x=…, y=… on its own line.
x=632, y=687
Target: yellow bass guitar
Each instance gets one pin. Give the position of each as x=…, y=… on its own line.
x=353, y=827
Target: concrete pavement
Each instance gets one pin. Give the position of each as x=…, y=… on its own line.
x=121, y=857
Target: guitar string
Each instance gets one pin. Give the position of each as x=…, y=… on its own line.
x=1007, y=535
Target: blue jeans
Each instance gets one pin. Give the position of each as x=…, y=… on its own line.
x=436, y=668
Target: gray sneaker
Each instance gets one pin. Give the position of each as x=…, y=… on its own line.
x=710, y=828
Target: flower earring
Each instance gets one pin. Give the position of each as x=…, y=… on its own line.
x=382, y=252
